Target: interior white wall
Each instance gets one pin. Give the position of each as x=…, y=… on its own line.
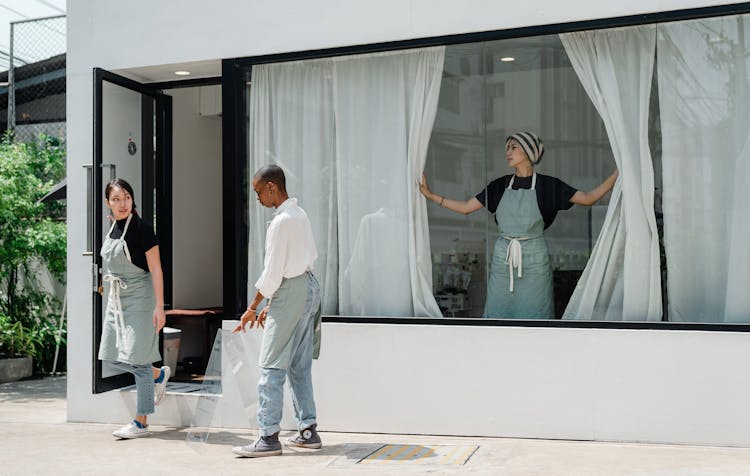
x=196, y=210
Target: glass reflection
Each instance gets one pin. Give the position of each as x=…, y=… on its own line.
x=704, y=102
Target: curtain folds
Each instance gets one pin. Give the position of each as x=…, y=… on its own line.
x=291, y=124
x=704, y=102
x=352, y=135
x=622, y=278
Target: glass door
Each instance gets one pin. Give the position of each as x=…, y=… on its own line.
x=132, y=140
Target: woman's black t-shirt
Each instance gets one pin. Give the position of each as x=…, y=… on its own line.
x=552, y=194
x=140, y=238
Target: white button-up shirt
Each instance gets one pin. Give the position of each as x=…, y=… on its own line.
x=290, y=247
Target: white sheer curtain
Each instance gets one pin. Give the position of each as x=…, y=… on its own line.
x=292, y=125
x=622, y=278
x=352, y=133
x=704, y=101
x=385, y=106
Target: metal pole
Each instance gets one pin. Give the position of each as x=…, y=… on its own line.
x=59, y=331
x=11, y=88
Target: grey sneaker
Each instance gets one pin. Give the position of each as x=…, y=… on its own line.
x=160, y=388
x=307, y=438
x=263, y=446
x=130, y=431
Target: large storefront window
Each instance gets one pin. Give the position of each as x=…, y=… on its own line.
x=515, y=85
x=664, y=104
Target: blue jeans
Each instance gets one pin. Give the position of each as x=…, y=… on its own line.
x=144, y=385
x=271, y=382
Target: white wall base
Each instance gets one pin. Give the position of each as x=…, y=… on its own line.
x=684, y=387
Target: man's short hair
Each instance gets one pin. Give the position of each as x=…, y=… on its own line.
x=272, y=173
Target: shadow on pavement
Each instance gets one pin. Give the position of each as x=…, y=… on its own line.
x=34, y=389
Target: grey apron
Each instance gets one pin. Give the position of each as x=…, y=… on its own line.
x=128, y=332
x=288, y=306
x=520, y=281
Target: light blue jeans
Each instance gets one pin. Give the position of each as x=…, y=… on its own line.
x=144, y=385
x=271, y=382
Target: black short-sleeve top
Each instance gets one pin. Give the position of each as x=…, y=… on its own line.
x=552, y=194
x=140, y=238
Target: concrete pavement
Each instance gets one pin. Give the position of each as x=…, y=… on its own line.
x=36, y=440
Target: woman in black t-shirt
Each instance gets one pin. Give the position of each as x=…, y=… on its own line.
x=131, y=268
x=524, y=204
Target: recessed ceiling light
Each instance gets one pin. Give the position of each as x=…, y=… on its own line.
x=507, y=59
x=182, y=73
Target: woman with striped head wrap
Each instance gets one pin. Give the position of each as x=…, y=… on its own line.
x=525, y=204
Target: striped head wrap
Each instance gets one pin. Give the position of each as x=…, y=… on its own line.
x=531, y=144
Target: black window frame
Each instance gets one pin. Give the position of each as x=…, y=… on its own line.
x=235, y=77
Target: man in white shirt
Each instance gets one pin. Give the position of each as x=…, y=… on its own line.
x=290, y=320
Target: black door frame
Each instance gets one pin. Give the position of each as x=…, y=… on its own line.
x=156, y=172
x=235, y=187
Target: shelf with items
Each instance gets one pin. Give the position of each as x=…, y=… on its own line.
x=452, y=276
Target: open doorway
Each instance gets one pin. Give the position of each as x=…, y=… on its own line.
x=173, y=155
x=197, y=289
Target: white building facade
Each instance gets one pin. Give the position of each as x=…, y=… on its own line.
x=355, y=100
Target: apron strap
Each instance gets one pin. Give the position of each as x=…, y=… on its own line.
x=127, y=224
x=125, y=243
x=114, y=222
x=514, y=251
x=514, y=256
x=513, y=178
x=116, y=284
x=124, y=231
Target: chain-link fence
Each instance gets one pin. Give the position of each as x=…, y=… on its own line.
x=32, y=91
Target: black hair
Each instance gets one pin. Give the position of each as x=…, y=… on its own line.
x=272, y=173
x=120, y=183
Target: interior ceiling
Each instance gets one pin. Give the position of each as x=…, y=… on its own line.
x=529, y=53
x=166, y=72
x=525, y=50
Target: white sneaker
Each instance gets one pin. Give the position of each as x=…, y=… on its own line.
x=161, y=388
x=130, y=431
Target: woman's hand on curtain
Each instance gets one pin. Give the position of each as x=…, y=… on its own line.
x=590, y=198
x=425, y=190
x=458, y=206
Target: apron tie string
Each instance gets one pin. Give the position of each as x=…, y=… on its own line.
x=514, y=256
x=116, y=284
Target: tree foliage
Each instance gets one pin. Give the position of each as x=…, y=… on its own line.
x=32, y=238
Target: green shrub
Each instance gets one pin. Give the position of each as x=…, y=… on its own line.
x=15, y=340
x=32, y=237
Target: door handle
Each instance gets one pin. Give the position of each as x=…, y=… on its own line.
x=90, y=226
x=112, y=170
x=89, y=251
